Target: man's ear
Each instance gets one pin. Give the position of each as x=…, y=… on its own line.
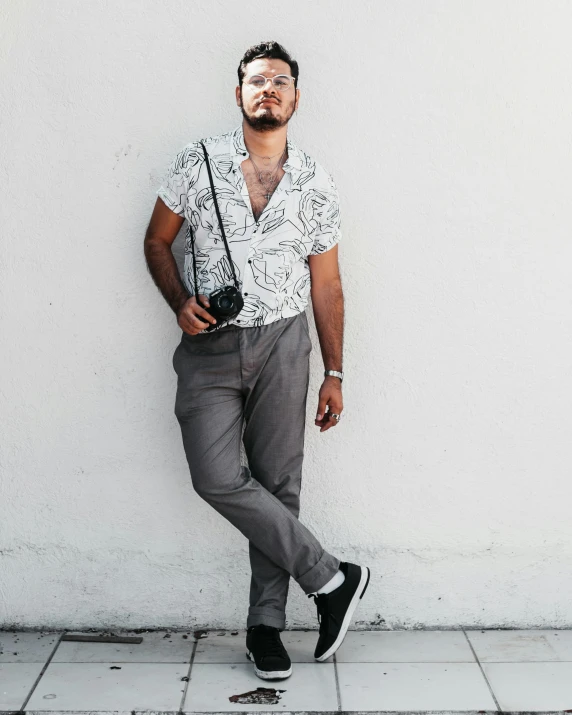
x=297, y=99
x=237, y=94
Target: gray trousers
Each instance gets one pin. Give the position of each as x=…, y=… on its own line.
x=259, y=376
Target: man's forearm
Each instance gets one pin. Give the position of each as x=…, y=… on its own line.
x=163, y=269
x=328, y=306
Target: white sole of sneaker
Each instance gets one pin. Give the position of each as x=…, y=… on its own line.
x=360, y=590
x=269, y=675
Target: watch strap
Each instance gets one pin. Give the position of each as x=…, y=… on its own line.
x=335, y=373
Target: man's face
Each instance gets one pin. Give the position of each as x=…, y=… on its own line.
x=267, y=108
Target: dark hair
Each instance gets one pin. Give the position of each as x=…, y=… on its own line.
x=273, y=51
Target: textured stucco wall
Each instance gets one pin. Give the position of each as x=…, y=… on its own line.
x=447, y=128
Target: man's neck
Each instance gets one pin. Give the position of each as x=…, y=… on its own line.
x=264, y=143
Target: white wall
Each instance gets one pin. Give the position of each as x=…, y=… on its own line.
x=446, y=125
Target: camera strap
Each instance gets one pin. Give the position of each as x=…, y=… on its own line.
x=207, y=161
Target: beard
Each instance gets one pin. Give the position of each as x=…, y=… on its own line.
x=267, y=122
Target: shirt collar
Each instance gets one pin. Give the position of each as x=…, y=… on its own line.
x=238, y=152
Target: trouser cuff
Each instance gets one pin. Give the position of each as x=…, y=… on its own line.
x=319, y=575
x=268, y=616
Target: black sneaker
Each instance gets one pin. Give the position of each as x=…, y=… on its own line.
x=264, y=647
x=335, y=609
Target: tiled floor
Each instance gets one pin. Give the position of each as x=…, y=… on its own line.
x=181, y=671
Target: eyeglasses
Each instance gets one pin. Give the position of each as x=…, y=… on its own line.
x=281, y=82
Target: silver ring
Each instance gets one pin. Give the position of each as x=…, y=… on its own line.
x=335, y=416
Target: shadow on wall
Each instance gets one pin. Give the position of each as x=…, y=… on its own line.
x=178, y=248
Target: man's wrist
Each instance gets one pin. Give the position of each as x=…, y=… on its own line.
x=337, y=374
x=180, y=302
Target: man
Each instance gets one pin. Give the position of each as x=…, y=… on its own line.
x=280, y=216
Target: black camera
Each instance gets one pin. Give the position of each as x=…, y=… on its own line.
x=224, y=304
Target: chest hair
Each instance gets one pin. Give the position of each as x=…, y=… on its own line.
x=256, y=191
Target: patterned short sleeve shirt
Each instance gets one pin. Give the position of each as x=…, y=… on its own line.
x=270, y=255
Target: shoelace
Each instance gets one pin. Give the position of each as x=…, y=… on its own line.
x=324, y=613
x=272, y=643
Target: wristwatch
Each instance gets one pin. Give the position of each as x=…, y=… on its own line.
x=335, y=373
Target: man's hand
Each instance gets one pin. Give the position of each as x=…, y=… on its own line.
x=330, y=396
x=189, y=312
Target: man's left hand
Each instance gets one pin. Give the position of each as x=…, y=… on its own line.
x=330, y=396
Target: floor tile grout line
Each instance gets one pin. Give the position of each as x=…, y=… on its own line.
x=182, y=705
x=522, y=662
x=489, y=686
x=43, y=670
x=413, y=662
x=338, y=694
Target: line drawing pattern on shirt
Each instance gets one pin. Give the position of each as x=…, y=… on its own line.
x=270, y=255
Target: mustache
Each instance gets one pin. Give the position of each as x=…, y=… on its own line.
x=275, y=99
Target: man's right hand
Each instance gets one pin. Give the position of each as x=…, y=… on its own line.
x=189, y=312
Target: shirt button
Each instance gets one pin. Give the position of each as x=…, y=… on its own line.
x=238, y=321
x=249, y=260
x=246, y=294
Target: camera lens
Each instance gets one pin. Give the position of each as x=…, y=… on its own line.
x=225, y=303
